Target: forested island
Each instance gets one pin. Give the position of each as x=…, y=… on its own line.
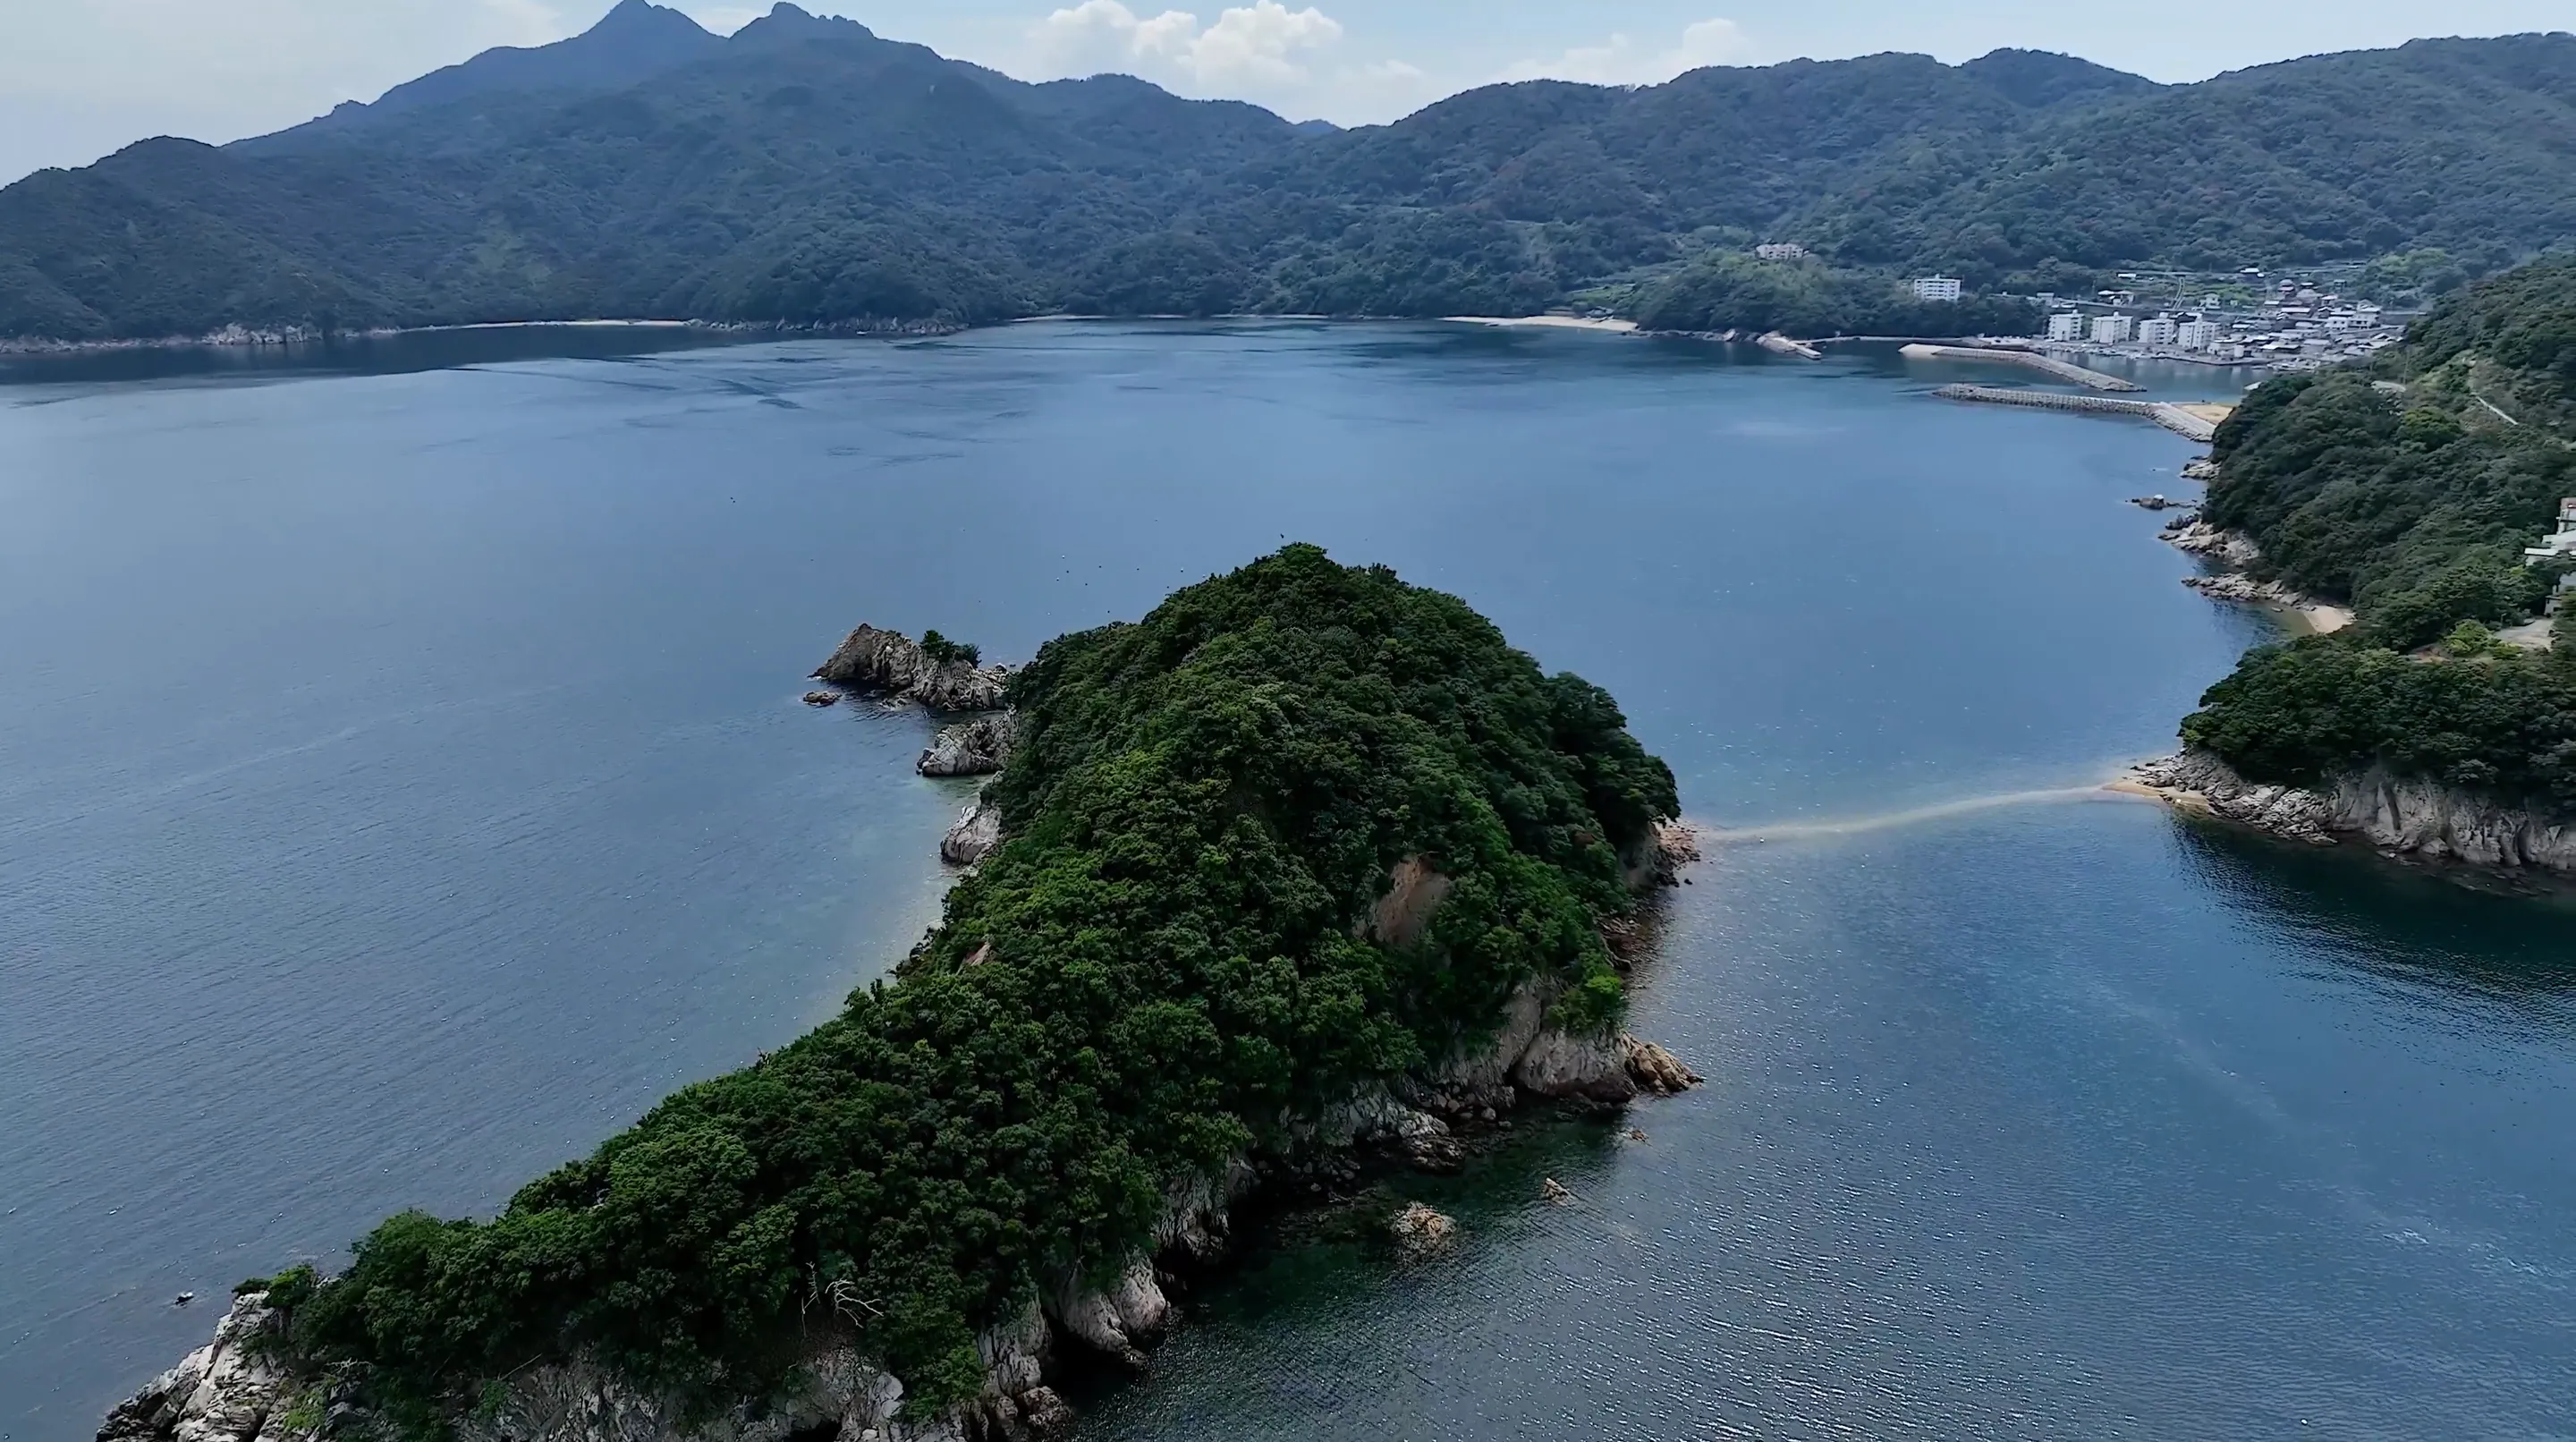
x=1306, y=861
x=806, y=173
x=2411, y=488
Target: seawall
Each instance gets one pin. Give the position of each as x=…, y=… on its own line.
x=2172, y=417
x=2031, y=360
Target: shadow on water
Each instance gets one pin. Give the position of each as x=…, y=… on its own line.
x=2460, y=929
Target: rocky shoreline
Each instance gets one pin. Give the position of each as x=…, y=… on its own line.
x=238, y=1390
x=2403, y=816
x=2235, y=555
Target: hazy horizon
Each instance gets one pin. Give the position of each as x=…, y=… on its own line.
x=90, y=78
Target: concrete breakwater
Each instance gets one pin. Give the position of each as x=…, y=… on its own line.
x=2171, y=417
x=2033, y=360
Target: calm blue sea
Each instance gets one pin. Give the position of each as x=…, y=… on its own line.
x=403, y=784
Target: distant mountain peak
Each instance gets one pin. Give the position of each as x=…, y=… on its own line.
x=631, y=44
x=786, y=21
x=634, y=16
x=2041, y=78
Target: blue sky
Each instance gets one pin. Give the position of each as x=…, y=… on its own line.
x=83, y=77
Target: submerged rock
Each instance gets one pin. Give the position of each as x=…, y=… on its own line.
x=1419, y=1232
x=1555, y=1193
x=894, y=664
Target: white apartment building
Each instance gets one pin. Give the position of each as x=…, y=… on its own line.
x=2066, y=325
x=1780, y=250
x=1936, y=287
x=2113, y=329
x=2159, y=331
x=2198, y=334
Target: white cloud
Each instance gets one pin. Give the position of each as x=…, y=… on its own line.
x=1261, y=47
x=1625, y=62
x=526, y=22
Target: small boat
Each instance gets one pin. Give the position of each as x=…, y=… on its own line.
x=183, y=1299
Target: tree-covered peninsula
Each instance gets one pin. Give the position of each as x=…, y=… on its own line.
x=2411, y=488
x=1292, y=846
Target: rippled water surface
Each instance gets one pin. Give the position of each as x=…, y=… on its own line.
x=402, y=784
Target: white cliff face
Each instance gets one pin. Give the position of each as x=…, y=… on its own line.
x=2410, y=815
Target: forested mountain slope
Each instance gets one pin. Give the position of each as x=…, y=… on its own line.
x=2413, y=488
x=806, y=171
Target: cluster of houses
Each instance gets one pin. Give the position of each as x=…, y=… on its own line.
x=2294, y=328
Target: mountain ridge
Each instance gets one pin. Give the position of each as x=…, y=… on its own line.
x=809, y=172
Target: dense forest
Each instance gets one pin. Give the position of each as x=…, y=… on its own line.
x=1730, y=290
x=2411, y=488
x=805, y=171
x=1164, y=963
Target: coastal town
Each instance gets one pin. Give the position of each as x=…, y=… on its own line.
x=2284, y=324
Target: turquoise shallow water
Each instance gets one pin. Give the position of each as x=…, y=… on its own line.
x=402, y=785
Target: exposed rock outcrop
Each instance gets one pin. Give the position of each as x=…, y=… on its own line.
x=893, y=664
x=822, y=698
x=2408, y=815
x=1119, y=1321
x=1601, y=1069
x=1655, y=1069
x=2233, y=549
x=1414, y=891
x=2245, y=590
x=226, y=1391
x=1562, y=1064
x=977, y=832
x=1668, y=848
x=979, y=747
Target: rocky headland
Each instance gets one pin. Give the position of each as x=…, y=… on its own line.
x=891, y=664
x=2405, y=816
